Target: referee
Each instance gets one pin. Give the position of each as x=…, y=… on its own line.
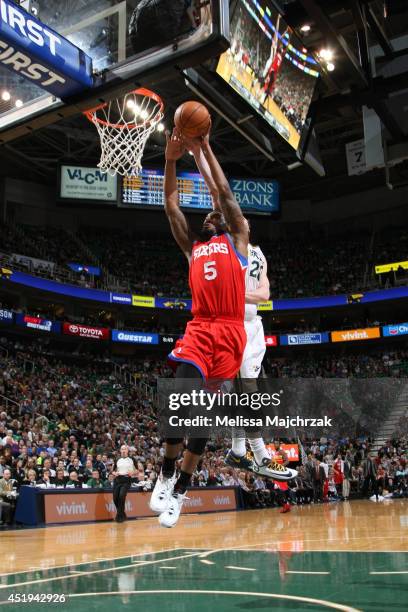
x=123, y=470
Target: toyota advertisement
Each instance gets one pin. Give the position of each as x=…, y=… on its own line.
x=86, y=331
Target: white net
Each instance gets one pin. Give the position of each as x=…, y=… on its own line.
x=124, y=126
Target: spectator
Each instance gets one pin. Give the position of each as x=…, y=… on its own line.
x=73, y=481
x=8, y=495
x=347, y=471
x=95, y=481
x=45, y=481
x=369, y=476
x=31, y=478
x=61, y=479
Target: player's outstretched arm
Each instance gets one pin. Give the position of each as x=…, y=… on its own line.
x=194, y=145
x=178, y=222
x=228, y=204
x=262, y=293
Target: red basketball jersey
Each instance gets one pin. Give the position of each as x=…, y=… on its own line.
x=277, y=62
x=217, y=279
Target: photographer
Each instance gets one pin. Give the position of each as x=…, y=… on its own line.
x=123, y=471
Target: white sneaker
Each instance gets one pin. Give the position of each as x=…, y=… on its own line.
x=170, y=517
x=162, y=492
x=274, y=470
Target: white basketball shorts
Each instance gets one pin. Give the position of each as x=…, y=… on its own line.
x=254, y=350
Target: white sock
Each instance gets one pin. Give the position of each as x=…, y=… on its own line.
x=238, y=442
x=259, y=449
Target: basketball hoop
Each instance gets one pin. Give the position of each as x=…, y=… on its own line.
x=124, y=126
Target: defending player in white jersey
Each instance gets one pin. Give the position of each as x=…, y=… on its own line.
x=257, y=291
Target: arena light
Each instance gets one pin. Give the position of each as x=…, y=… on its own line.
x=130, y=104
x=330, y=66
x=19, y=103
x=305, y=28
x=160, y=127
x=326, y=54
x=144, y=114
x=5, y=95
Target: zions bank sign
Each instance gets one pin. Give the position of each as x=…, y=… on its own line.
x=84, y=183
x=256, y=195
x=34, y=51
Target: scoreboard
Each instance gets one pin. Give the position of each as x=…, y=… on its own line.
x=259, y=196
x=146, y=189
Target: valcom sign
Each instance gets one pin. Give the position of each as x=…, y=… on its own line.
x=34, y=51
x=395, y=330
x=132, y=337
x=85, y=331
x=82, y=183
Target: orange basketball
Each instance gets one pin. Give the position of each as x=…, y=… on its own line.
x=192, y=119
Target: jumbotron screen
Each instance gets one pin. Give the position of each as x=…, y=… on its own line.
x=269, y=67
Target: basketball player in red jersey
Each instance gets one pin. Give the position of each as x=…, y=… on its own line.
x=274, y=64
x=215, y=339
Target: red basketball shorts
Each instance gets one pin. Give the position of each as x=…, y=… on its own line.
x=214, y=346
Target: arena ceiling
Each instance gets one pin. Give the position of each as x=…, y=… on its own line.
x=348, y=27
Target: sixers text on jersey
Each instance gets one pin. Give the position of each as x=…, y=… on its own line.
x=215, y=339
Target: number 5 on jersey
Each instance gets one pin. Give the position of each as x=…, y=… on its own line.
x=210, y=270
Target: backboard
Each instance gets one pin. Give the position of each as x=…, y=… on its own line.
x=100, y=28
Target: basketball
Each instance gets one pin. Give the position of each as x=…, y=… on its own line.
x=192, y=119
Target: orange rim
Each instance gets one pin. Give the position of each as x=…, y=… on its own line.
x=142, y=91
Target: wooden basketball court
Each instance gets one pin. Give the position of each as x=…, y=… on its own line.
x=344, y=556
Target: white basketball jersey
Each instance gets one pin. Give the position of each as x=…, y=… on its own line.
x=256, y=263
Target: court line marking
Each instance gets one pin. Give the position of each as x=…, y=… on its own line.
x=207, y=562
x=304, y=542
x=387, y=573
x=54, y=567
x=319, y=602
x=167, y=567
x=301, y=572
x=99, y=571
x=244, y=569
x=166, y=550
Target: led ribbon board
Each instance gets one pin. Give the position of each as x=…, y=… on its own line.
x=391, y=267
x=34, y=51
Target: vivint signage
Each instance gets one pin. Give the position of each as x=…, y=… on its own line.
x=34, y=51
x=81, y=183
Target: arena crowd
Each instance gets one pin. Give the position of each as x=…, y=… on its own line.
x=63, y=419
x=302, y=265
